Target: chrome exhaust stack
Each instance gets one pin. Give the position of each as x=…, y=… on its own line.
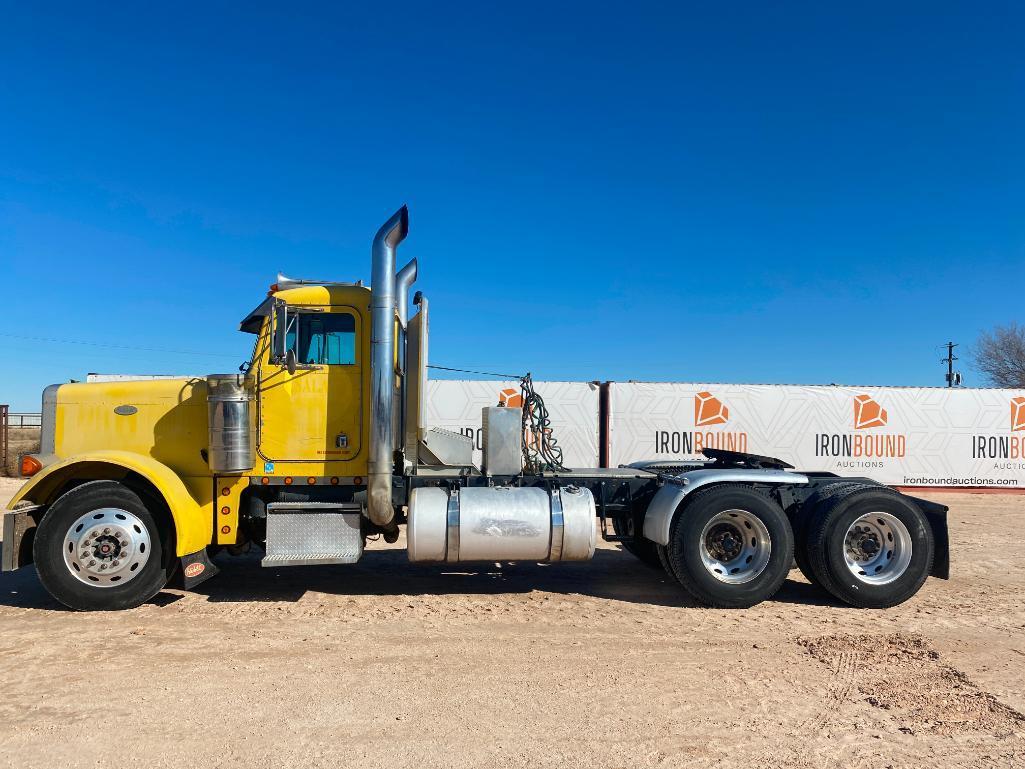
x=382, y=369
x=405, y=278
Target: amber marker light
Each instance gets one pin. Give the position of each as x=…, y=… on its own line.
x=288, y=481
x=225, y=510
x=30, y=465
x=311, y=480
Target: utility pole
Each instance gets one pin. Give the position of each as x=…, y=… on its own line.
x=953, y=379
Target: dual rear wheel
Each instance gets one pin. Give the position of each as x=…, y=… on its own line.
x=732, y=546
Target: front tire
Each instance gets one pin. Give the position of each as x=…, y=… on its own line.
x=730, y=547
x=99, y=548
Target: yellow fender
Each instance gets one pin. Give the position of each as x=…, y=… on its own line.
x=192, y=525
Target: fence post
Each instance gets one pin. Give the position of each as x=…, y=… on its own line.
x=3, y=435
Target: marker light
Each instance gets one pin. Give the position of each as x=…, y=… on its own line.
x=30, y=465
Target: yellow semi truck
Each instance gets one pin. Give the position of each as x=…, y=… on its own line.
x=320, y=441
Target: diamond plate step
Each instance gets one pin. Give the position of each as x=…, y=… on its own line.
x=310, y=533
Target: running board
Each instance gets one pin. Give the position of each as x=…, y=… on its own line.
x=312, y=533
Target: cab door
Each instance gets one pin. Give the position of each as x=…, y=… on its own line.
x=314, y=414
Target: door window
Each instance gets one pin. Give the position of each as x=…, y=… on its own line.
x=323, y=339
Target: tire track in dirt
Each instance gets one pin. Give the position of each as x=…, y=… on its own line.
x=908, y=681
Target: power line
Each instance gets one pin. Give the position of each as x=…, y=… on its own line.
x=109, y=346
x=482, y=373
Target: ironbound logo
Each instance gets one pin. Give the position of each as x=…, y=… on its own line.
x=511, y=398
x=709, y=411
x=1004, y=446
x=868, y=414
x=1018, y=413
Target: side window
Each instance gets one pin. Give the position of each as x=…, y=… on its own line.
x=323, y=339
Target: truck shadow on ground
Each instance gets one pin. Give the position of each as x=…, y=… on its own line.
x=612, y=575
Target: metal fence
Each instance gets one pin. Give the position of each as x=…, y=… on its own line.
x=13, y=421
x=18, y=419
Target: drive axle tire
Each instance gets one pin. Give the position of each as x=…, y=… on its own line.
x=665, y=560
x=731, y=546
x=811, y=511
x=99, y=548
x=870, y=547
x=641, y=549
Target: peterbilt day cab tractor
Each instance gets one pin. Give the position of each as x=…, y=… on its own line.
x=320, y=442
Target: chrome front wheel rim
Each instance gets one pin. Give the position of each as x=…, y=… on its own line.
x=877, y=548
x=106, y=547
x=735, y=546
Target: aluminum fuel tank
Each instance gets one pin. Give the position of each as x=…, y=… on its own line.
x=501, y=524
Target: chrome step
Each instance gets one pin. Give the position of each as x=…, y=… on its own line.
x=310, y=533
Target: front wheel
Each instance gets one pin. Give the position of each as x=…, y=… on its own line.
x=99, y=548
x=730, y=547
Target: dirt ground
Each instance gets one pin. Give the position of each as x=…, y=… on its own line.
x=385, y=664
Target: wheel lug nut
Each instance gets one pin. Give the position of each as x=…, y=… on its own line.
x=92, y=563
x=115, y=563
x=103, y=566
x=106, y=531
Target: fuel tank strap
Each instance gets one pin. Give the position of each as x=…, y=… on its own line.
x=558, y=526
x=452, y=545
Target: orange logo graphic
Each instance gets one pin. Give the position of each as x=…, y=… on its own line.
x=511, y=398
x=868, y=413
x=709, y=410
x=1018, y=413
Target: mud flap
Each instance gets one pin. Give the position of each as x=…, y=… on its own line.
x=936, y=514
x=195, y=568
x=19, y=531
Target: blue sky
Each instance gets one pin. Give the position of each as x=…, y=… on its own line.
x=738, y=192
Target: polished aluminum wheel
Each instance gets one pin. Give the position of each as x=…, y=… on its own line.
x=106, y=547
x=735, y=546
x=877, y=548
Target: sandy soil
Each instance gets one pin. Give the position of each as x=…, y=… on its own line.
x=589, y=665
